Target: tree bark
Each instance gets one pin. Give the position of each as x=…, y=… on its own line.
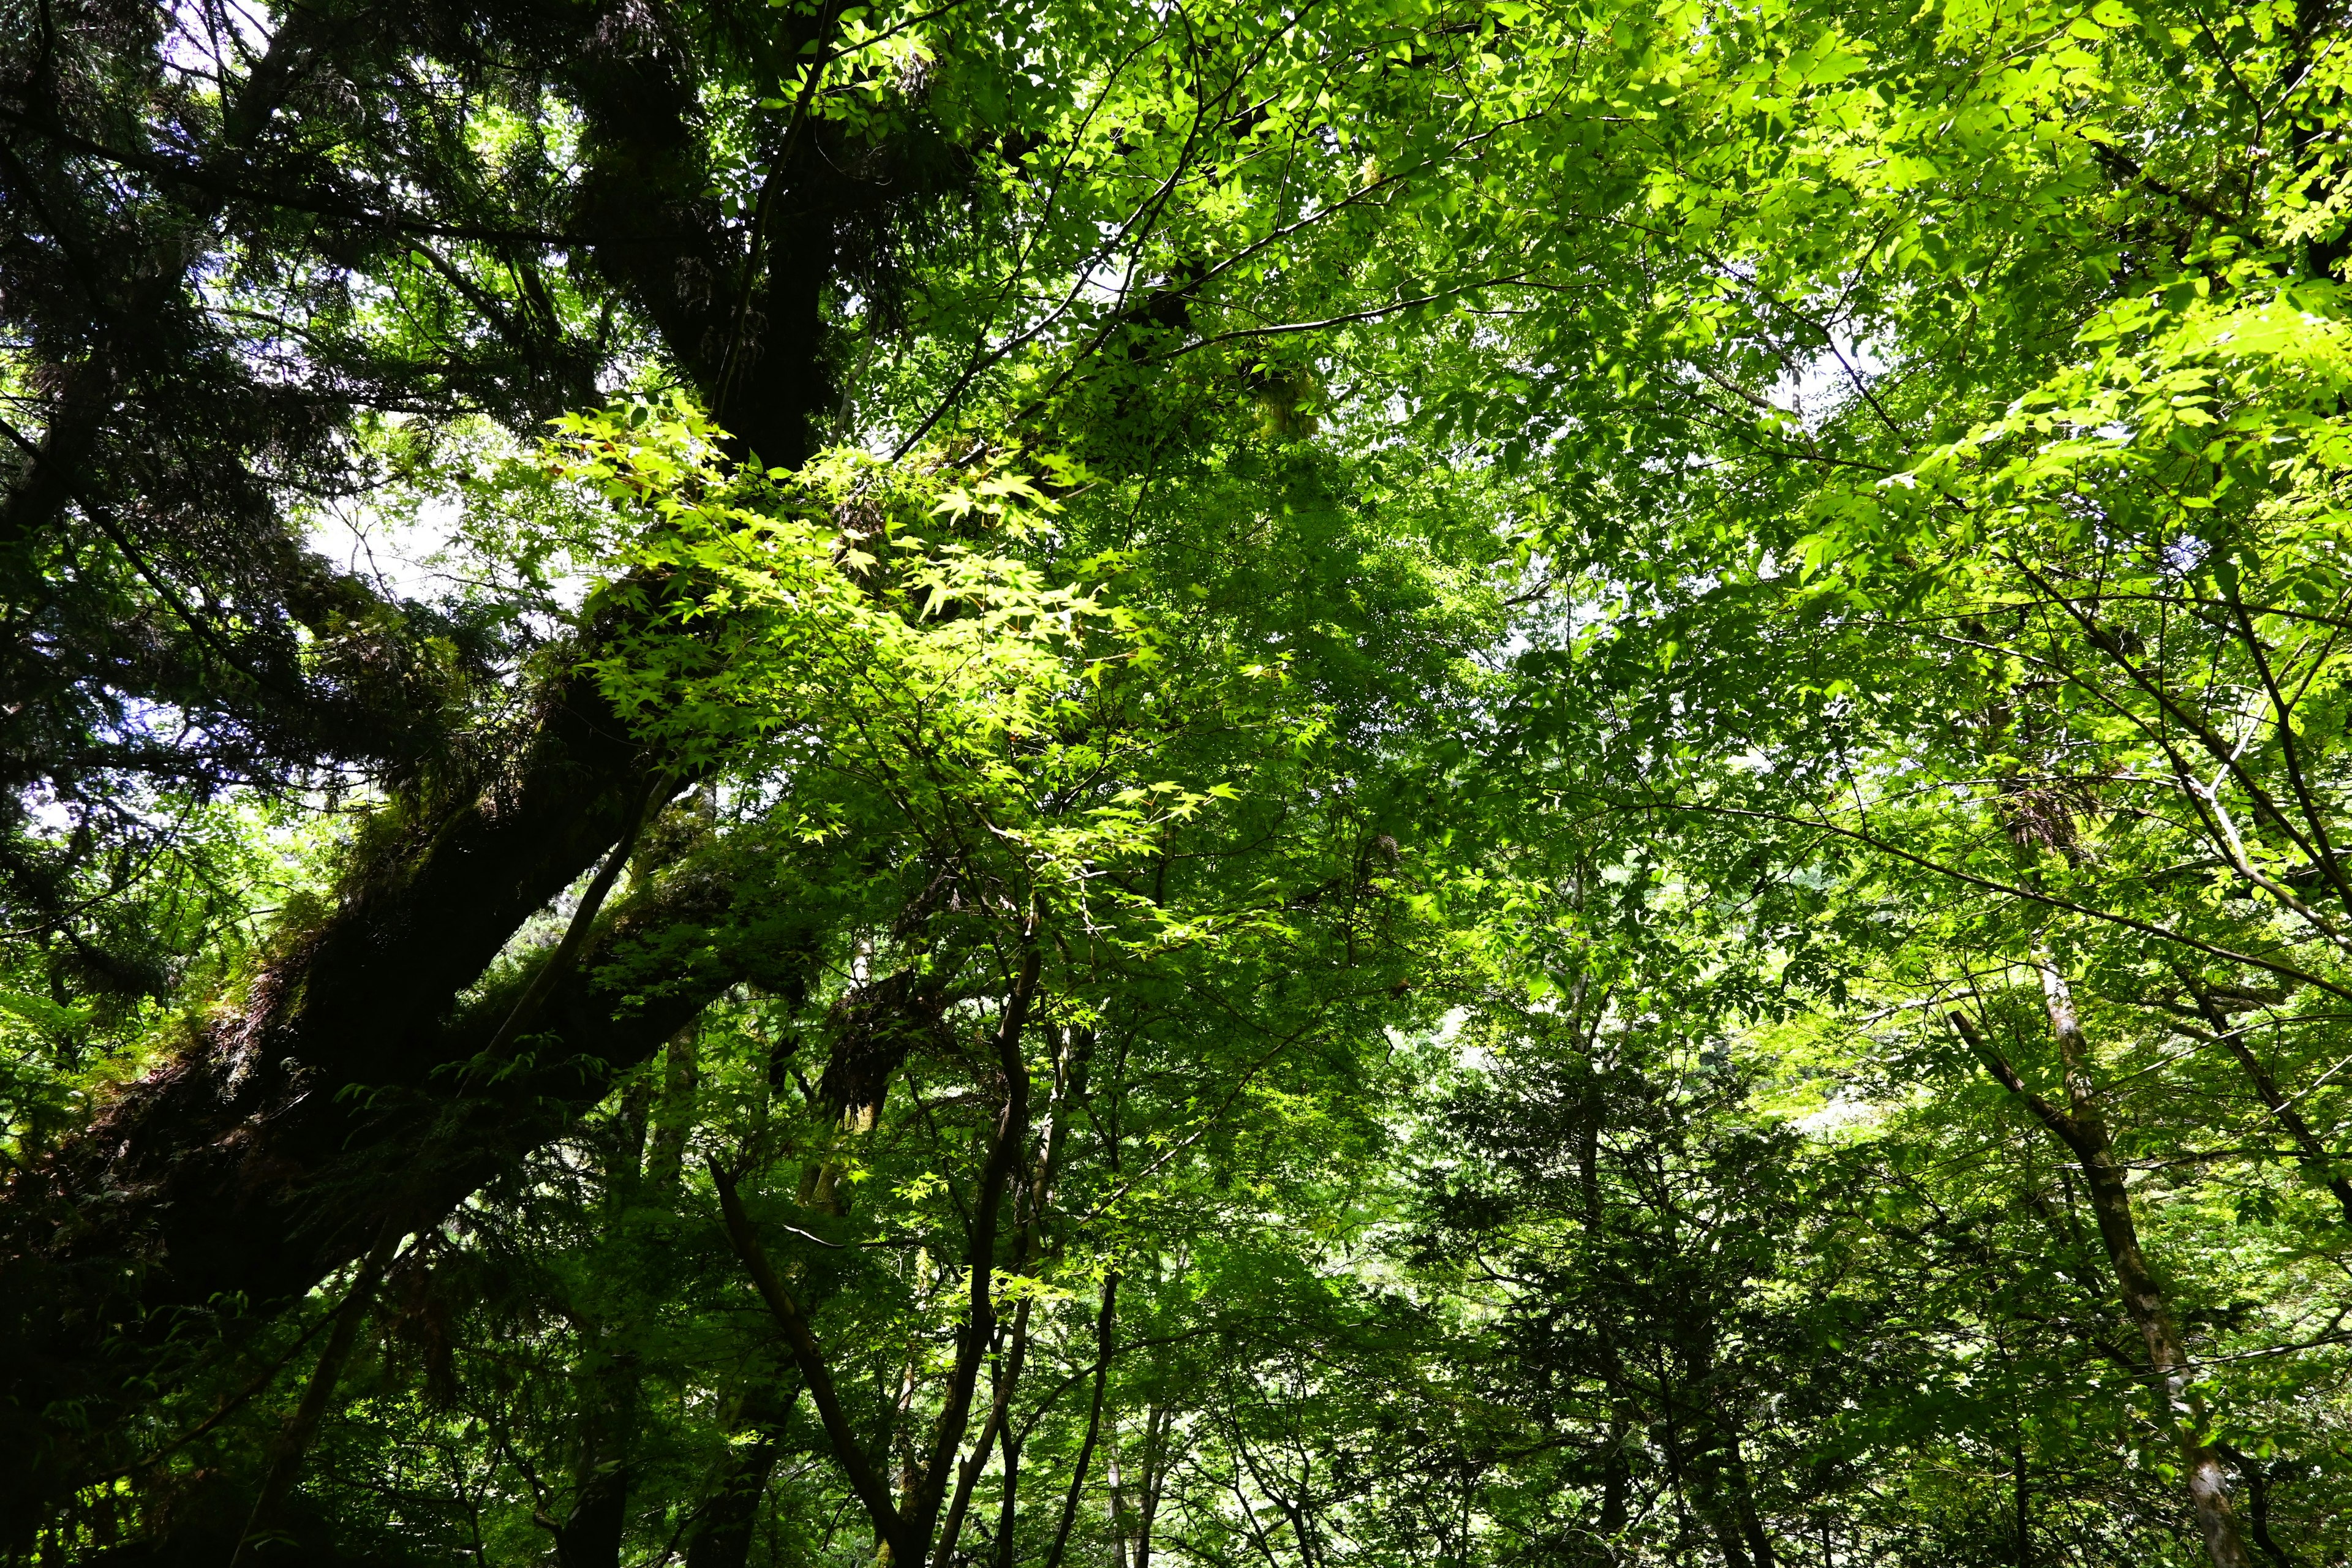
x=979, y=1325
x=968, y=1473
x=1155, y=1427
x=2258, y=1504
x=2024, y=1523
x=865, y=1481
x=1118, y=1502
x=674, y=1114
x=203, y=1179
x=608, y=1381
x=268, y=1150
x=1105, y=1324
x=1743, y=1499
x=1008, y=1497
x=1616, y=1479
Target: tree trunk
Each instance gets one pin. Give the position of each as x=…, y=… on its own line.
x=1118, y=1499
x=1008, y=1500
x=1105, y=1322
x=294, y=1442
x=980, y=1324
x=1743, y=1499
x=724, y=1538
x=591, y=1533
x=1007, y=1378
x=2024, y=1531
x=1616, y=1477
x=674, y=1114
x=2081, y=1129
x=243, y=1168
x=206, y=1178
x=1155, y=1427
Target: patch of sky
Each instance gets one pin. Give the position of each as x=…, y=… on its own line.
x=1831, y=378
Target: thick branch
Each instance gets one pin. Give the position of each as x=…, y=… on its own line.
x=2281, y=1109
x=287, y=1171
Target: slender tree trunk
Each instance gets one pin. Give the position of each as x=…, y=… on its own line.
x=1008, y=1500
x=997, y=1174
x=2081, y=1129
x=1112, y=1479
x=723, y=1539
x=906, y=1525
x=590, y=1536
x=1105, y=1324
x=1726, y=1529
x=1718, y=1466
x=2143, y=1294
x=673, y=1113
x=1694, y=1472
x=2024, y=1533
x=1721, y=1513
x=1068, y=1084
x=864, y=1478
x=643, y=1172
x=968, y=1473
x=2258, y=1504
x=1155, y=1431
x=591, y=1530
x=1616, y=1477
x=1743, y=1499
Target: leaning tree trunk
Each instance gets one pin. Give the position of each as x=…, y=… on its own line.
x=2082, y=1128
x=206, y=1179
x=281, y=1140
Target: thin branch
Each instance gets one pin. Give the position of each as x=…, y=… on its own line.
x=872, y=1490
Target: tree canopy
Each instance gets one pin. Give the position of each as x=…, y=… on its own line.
x=1022, y=783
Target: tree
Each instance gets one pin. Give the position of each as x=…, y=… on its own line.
x=732, y=191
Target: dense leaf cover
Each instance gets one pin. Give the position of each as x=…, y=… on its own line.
x=1415, y=782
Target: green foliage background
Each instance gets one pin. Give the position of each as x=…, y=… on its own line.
x=1525, y=655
